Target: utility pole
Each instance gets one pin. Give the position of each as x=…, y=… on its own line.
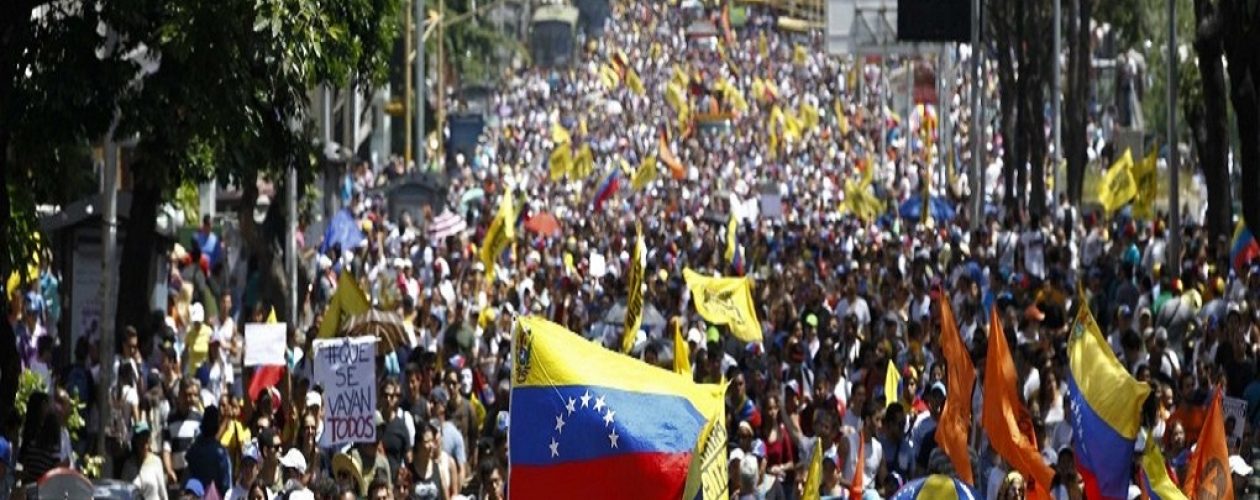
x=109, y=278
x=1056, y=112
x=1174, y=176
x=441, y=86
x=977, y=127
x=407, y=85
x=420, y=84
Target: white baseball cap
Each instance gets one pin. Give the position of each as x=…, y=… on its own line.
x=293, y=459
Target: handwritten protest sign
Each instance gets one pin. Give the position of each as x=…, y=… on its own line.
x=346, y=369
x=264, y=344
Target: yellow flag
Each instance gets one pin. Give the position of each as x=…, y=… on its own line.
x=499, y=236
x=732, y=226
x=560, y=161
x=608, y=76
x=271, y=316
x=1147, y=181
x=679, y=77
x=842, y=121
x=645, y=174
x=813, y=475
x=799, y=56
x=682, y=351
x=675, y=96
x=809, y=116
x=725, y=301
x=1118, y=186
x=892, y=385
x=584, y=163
x=560, y=135
x=633, y=82
x=859, y=201
x=763, y=46
x=634, y=289
x=791, y=127
x=347, y=301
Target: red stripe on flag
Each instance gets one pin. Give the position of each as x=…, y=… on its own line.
x=264, y=377
x=628, y=476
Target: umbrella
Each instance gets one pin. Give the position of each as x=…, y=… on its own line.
x=387, y=326
x=544, y=224
x=940, y=209
x=652, y=318
x=936, y=487
x=471, y=196
x=63, y=482
x=447, y=224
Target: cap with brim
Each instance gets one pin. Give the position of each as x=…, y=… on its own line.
x=293, y=459
x=195, y=487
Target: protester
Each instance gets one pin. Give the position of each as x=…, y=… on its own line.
x=790, y=158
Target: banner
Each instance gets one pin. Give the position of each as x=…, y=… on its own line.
x=346, y=369
x=725, y=301
x=561, y=161
x=502, y=230
x=634, y=296
x=646, y=173
x=264, y=344
x=347, y=301
x=1147, y=182
x=1118, y=186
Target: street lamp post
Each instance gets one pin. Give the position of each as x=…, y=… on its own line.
x=1174, y=195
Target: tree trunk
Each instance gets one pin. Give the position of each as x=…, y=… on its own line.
x=1075, y=139
x=1036, y=69
x=135, y=271
x=1208, y=121
x=1007, y=95
x=1242, y=48
x=10, y=365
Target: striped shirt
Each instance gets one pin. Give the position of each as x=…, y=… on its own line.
x=181, y=430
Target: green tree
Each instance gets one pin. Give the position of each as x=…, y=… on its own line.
x=224, y=93
x=230, y=99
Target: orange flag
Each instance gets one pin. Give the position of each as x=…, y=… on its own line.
x=1208, y=475
x=1006, y=420
x=667, y=157
x=955, y=425
x=855, y=488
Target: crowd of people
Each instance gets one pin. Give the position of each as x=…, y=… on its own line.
x=839, y=295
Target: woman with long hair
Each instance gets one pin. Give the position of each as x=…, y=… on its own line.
x=41, y=439
x=780, y=445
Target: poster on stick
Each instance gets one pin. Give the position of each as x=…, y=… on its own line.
x=264, y=344
x=346, y=370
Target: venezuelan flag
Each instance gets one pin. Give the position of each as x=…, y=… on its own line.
x=1155, y=481
x=607, y=188
x=1244, y=247
x=1107, y=406
x=590, y=423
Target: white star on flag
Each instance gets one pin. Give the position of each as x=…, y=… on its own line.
x=612, y=438
x=555, y=448
x=570, y=406
x=586, y=399
x=608, y=417
x=560, y=423
x=599, y=403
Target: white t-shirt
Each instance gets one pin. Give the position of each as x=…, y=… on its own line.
x=874, y=452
